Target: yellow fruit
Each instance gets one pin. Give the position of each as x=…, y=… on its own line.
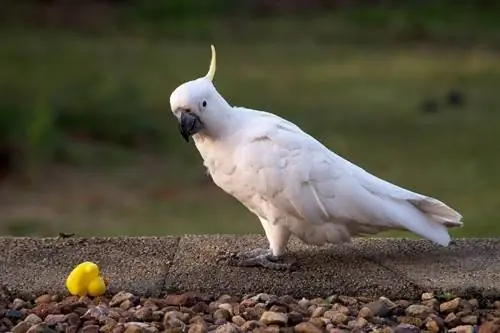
x=84, y=279
x=96, y=287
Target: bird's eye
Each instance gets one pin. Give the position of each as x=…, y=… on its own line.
x=204, y=103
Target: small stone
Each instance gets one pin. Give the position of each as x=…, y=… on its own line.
x=188, y=299
x=40, y=328
x=43, y=309
x=53, y=319
x=304, y=303
x=133, y=329
x=250, y=325
x=474, y=303
x=489, y=327
x=470, y=319
x=419, y=311
x=306, y=327
x=22, y=327
x=120, y=297
x=197, y=328
x=173, y=319
x=238, y=320
x=379, y=308
x=402, y=303
x=18, y=304
x=227, y=328
x=90, y=329
x=108, y=327
x=365, y=312
x=222, y=314
x=415, y=321
x=463, y=329
x=431, y=303
x=427, y=296
x=228, y=307
x=13, y=314
x=357, y=324
x=126, y=304
x=43, y=299
x=273, y=329
x=432, y=326
x=390, y=304
x=340, y=308
x=318, y=312
x=384, y=330
x=336, y=317
x=72, y=319
x=406, y=328
x=262, y=297
x=319, y=322
x=274, y=318
x=33, y=319
x=144, y=314
x=294, y=318
x=75, y=329
x=450, y=306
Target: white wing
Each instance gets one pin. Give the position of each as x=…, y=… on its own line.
x=297, y=175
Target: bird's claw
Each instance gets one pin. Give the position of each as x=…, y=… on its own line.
x=259, y=258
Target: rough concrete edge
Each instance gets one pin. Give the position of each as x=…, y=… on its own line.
x=167, y=269
x=471, y=291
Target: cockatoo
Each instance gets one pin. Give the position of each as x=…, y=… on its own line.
x=293, y=183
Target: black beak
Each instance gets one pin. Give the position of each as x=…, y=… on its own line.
x=189, y=124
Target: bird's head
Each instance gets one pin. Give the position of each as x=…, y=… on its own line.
x=197, y=105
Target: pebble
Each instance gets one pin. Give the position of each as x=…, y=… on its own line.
x=194, y=312
x=90, y=329
x=43, y=299
x=53, y=319
x=432, y=326
x=427, y=296
x=274, y=318
x=380, y=308
x=22, y=327
x=462, y=329
x=18, y=304
x=470, y=319
x=33, y=319
x=365, y=312
x=336, y=317
x=120, y=297
x=419, y=311
x=450, y=306
x=406, y=328
x=307, y=327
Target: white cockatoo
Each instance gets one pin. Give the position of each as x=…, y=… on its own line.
x=293, y=183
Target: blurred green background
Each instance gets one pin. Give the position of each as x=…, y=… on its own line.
x=409, y=90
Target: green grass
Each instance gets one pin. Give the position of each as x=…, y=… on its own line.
x=362, y=102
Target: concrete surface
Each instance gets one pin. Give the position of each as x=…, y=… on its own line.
x=396, y=268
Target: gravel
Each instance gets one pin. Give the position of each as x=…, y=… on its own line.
x=194, y=312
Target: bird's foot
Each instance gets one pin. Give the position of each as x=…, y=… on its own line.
x=260, y=258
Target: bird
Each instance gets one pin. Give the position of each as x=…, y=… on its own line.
x=455, y=98
x=291, y=182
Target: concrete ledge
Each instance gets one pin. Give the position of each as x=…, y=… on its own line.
x=152, y=266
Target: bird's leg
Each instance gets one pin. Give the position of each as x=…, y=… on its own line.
x=261, y=258
x=253, y=253
x=267, y=258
